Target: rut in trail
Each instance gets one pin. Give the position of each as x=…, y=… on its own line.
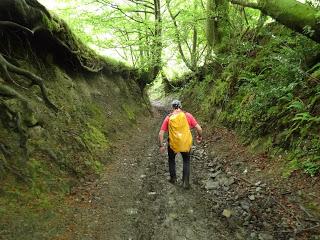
x=134, y=200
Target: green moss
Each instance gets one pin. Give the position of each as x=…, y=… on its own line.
x=47, y=22
x=94, y=139
x=97, y=116
x=95, y=165
x=129, y=112
x=18, y=221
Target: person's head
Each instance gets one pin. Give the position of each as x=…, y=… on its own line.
x=176, y=104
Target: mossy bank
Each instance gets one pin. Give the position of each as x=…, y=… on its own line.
x=62, y=108
x=266, y=87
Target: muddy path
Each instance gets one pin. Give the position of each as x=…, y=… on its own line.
x=134, y=200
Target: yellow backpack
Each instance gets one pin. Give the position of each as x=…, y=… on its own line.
x=180, y=138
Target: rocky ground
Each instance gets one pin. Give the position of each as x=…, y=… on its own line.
x=233, y=195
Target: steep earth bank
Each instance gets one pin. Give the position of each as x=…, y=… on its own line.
x=62, y=107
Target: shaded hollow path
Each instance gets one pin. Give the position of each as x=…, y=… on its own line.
x=134, y=200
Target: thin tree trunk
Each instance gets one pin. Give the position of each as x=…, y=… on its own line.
x=194, y=53
x=217, y=22
x=157, y=43
x=211, y=23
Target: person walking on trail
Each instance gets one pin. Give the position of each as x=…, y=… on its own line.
x=178, y=124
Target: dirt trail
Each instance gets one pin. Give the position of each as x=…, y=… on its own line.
x=134, y=200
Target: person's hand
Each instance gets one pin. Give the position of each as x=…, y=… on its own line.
x=162, y=149
x=199, y=139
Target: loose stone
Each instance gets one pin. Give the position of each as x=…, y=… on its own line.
x=252, y=197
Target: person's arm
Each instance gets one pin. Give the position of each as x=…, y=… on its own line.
x=161, y=134
x=194, y=124
x=163, y=129
x=161, y=145
x=199, y=133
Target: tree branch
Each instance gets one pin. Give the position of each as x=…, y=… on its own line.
x=285, y=12
x=175, y=16
x=202, y=52
x=124, y=13
x=245, y=3
x=143, y=3
x=141, y=11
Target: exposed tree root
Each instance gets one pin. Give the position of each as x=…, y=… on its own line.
x=27, y=24
x=10, y=167
x=16, y=121
x=5, y=66
x=8, y=92
x=15, y=117
x=8, y=115
x=14, y=25
x=93, y=68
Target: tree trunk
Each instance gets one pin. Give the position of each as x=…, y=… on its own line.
x=211, y=23
x=157, y=42
x=194, y=52
x=297, y=16
x=217, y=22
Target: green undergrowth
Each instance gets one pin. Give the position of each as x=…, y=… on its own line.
x=269, y=93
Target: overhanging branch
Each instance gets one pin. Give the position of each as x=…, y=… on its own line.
x=245, y=3
x=285, y=12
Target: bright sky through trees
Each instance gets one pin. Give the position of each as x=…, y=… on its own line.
x=124, y=29
x=99, y=33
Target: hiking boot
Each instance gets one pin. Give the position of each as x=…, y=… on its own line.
x=173, y=180
x=186, y=185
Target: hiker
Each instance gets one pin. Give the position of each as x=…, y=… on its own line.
x=178, y=123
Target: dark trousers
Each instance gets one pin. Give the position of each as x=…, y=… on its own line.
x=172, y=165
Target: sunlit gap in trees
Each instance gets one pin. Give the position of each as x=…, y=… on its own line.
x=102, y=29
x=71, y=11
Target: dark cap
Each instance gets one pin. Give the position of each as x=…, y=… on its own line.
x=176, y=104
